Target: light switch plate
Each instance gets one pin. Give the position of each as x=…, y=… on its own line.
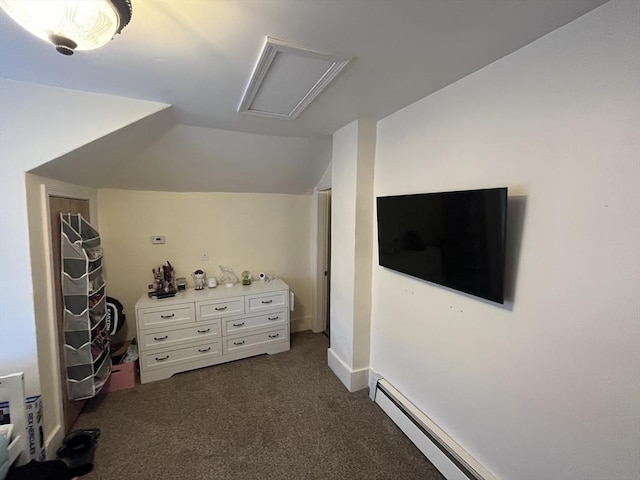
x=158, y=240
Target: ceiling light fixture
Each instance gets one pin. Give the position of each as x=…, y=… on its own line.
x=71, y=25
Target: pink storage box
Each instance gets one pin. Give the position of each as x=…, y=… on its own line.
x=123, y=376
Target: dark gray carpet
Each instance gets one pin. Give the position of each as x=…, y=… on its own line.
x=284, y=416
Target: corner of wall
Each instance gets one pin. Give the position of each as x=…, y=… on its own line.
x=373, y=383
x=354, y=380
x=301, y=324
x=325, y=181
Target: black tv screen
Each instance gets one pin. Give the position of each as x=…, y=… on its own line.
x=455, y=239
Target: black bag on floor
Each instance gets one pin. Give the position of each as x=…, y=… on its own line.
x=51, y=470
x=77, y=450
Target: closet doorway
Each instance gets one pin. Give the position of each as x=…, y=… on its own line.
x=323, y=266
x=57, y=205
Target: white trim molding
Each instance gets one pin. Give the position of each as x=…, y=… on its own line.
x=267, y=73
x=453, y=461
x=354, y=380
x=40, y=189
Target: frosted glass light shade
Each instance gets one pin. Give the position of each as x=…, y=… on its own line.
x=71, y=25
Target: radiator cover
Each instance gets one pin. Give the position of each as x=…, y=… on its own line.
x=443, y=452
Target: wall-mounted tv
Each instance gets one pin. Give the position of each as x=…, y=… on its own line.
x=456, y=239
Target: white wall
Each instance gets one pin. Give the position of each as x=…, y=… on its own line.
x=548, y=387
x=268, y=233
x=351, y=251
x=38, y=124
x=363, y=247
x=343, y=226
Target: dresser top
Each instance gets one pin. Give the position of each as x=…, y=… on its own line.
x=221, y=291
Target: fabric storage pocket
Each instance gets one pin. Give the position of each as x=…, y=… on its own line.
x=78, y=356
x=98, y=309
x=91, y=243
x=92, y=382
x=90, y=236
x=74, y=267
x=96, y=280
x=94, y=255
x=76, y=304
x=79, y=373
x=83, y=321
x=77, y=339
x=85, y=346
x=68, y=229
x=74, y=286
x=76, y=322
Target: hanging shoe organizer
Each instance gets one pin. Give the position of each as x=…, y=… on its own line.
x=86, y=348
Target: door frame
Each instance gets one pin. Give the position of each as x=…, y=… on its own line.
x=322, y=264
x=39, y=189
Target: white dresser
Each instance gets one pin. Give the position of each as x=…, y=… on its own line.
x=198, y=328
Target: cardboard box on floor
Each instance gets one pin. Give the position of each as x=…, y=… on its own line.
x=35, y=427
x=123, y=375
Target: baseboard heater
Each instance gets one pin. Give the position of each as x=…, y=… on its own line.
x=441, y=450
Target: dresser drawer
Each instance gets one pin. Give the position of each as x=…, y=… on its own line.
x=219, y=308
x=266, y=301
x=186, y=354
x=242, y=324
x=162, y=339
x=245, y=342
x=161, y=317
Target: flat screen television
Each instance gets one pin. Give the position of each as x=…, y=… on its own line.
x=456, y=239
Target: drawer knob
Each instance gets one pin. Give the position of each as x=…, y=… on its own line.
x=160, y=359
x=168, y=316
x=267, y=301
x=273, y=318
x=204, y=331
x=238, y=324
x=158, y=339
x=204, y=350
x=220, y=308
x=239, y=343
x=275, y=335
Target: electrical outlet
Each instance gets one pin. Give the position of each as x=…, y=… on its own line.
x=158, y=240
x=204, y=256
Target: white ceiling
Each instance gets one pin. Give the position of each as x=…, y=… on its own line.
x=198, y=55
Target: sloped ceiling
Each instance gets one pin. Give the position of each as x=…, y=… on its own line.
x=157, y=154
x=198, y=55
x=38, y=123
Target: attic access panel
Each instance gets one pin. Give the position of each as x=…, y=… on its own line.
x=287, y=78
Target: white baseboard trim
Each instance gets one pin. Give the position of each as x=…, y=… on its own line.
x=453, y=461
x=53, y=441
x=373, y=383
x=354, y=380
